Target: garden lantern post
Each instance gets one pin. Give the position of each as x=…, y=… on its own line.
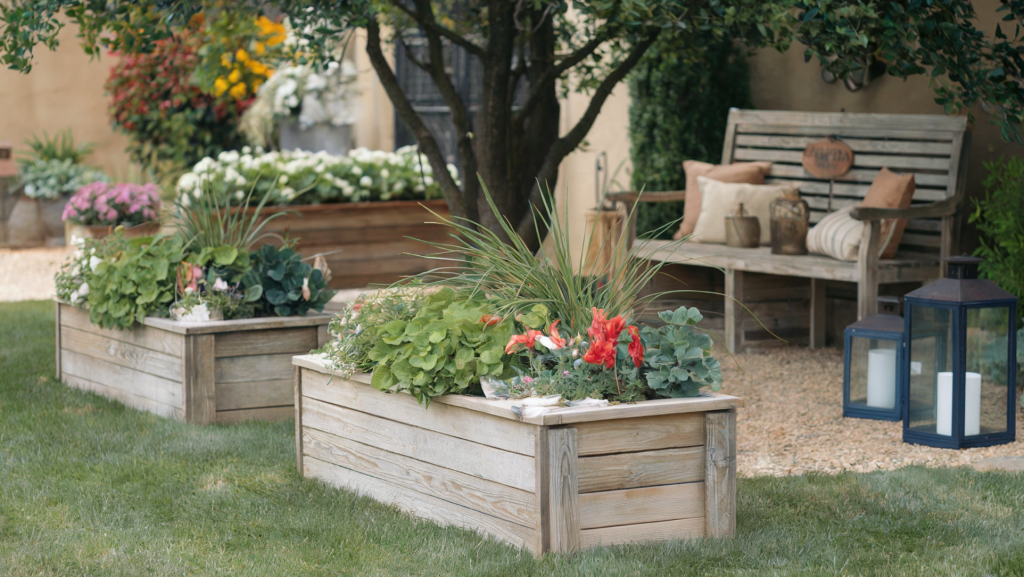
x=873, y=364
x=960, y=369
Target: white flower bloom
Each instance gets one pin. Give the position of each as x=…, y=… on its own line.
x=220, y=285
x=283, y=179
x=94, y=261
x=384, y=173
x=246, y=150
x=356, y=170
x=366, y=182
x=83, y=290
x=548, y=343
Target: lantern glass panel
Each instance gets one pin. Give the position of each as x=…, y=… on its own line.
x=931, y=355
x=985, y=393
x=873, y=369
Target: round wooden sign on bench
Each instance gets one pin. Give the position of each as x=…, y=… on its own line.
x=827, y=159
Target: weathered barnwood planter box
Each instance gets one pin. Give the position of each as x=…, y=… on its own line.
x=211, y=372
x=567, y=480
x=365, y=242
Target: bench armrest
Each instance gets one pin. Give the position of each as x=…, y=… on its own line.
x=940, y=208
x=631, y=197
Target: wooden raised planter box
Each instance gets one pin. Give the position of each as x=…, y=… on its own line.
x=212, y=372
x=366, y=240
x=564, y=481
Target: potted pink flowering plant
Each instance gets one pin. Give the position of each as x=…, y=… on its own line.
x=99, y=207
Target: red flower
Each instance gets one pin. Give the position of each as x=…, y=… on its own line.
x=529, y=339
x=636, y=348
x=556, y=339
x=490, y=320
x=601, y=352
x=604, y=336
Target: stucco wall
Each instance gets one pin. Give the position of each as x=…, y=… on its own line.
x=64, y=89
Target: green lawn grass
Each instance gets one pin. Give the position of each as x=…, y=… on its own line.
x=88, y=487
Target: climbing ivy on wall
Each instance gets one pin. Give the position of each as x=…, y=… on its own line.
x=681, y=95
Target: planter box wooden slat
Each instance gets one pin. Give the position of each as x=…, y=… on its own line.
x=569, y=479
x=507, y=435
x=641, y=469
x=364, y=242
x=223, y=371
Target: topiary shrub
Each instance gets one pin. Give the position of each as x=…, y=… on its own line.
x=681, y=97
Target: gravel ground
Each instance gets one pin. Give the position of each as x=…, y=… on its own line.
x=792, y=420
x=27, y=274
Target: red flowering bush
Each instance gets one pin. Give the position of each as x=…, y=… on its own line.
x=171, y=123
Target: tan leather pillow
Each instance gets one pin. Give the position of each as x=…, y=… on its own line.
x=723, y=198
x=891, y=190
x=748, y=172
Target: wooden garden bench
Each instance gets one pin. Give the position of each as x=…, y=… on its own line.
x=933, y=147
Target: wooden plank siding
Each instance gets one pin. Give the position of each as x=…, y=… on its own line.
x=230, y=372
x=607, y=477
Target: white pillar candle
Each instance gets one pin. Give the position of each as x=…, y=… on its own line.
x=972, y=405
x=882, y=378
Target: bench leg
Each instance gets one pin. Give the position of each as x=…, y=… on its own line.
x=733, y=310
x=867, y=263
x=817, y=313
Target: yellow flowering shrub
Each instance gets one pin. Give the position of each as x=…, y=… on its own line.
x=235, y=55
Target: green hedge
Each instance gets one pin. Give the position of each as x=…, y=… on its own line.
x=681, y=93
x=1000, y=221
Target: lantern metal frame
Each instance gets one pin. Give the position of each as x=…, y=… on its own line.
x=873, y=327
x=958, y=316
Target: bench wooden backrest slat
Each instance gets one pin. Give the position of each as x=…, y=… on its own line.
x=930, y=146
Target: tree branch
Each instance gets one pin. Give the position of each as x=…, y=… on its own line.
x=555, y=72
x=460, y=116
x=432, y=26
x=566, y=144
x=428, y=144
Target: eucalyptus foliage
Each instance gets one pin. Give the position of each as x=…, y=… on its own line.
x=529, y=50
x=678, y=356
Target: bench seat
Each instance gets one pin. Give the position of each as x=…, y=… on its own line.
x=905, y=267
x=767, y=294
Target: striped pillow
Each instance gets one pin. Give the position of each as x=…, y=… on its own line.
x=837, y=235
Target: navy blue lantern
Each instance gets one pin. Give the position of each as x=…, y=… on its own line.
x=873, y=364
x=959, y=383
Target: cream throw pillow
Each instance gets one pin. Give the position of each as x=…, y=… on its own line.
x=721, y=199
x=837, y=235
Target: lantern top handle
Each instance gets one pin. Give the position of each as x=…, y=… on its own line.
x=962, y=267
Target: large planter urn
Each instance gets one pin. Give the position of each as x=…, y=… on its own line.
x=35, y=222
x=324, y=137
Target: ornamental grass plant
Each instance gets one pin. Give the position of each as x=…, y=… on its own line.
x=503, y=267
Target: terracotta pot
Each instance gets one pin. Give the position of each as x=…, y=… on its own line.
x=102, y=230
